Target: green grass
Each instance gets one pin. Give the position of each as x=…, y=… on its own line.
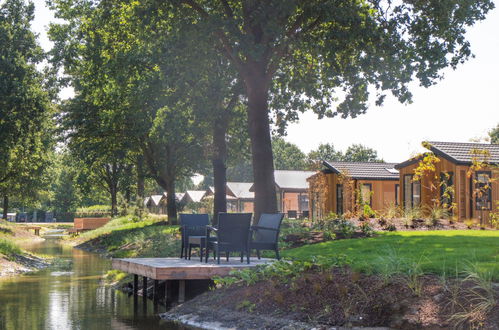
x=129, y=237
x=436, y=252
x=8, y=248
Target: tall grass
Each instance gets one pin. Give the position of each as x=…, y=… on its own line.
x=8, y=248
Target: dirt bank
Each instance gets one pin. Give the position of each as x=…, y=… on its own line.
x=342, y=298
x=20, y=263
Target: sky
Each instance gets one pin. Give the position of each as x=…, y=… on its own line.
x=463, y=106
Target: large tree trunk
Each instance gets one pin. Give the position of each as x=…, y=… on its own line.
x=257, y=90
x=219, y=162
x=5, y=206
x=171, y=205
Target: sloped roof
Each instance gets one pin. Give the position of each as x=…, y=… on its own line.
x=364, y=170
x=195, y=195
x=292, y=179
x=240, y=189
x=146, y=200
x=463, y=153
x=155, y=199
x=179, y=196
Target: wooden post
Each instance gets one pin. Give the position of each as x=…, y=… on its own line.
x=155, y=293
x=135, y=285
x=144, y=288
x=181, y=291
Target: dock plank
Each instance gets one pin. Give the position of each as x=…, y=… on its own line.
x=181, y=269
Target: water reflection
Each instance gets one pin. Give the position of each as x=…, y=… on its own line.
x=73, y=299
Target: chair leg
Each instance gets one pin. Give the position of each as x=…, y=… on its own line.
x=248, y=256
x=277, y=254
x=201, y=253
x=227, y=255
x=218, y=256
x=242, y=256
x=190, y=251
x=207, y=254
x=182, y=250
x=258, y=254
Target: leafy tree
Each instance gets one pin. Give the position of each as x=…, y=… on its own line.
x=25, y=110
x=360, y=153
x=325, y=151
x=287, y=156
x=296, y=55
x=494, y=134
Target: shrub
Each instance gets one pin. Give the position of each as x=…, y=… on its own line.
x=392, y=211
x=94, y=211
x=368, y=212
x=366, y=229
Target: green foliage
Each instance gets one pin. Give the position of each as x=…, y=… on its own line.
x=287, y=156
x=26, y=130
x=494, y=134
x=368, y=212
x=436, y=252
x=360, y=153
x=282, y=271
x=366, y=229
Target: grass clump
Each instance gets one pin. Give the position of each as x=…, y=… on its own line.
x=8, y=248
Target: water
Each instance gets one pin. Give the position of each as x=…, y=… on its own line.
x=72, y=298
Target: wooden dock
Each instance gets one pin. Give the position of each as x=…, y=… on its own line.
x=179, y=270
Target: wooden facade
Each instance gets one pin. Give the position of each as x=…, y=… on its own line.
x=465, y=192
x=337, y=192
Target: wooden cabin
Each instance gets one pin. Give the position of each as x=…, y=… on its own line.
x=336, y=187
x=471, y=172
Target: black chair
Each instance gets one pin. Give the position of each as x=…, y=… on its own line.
x=292, y=214
x=265, y=235
x=231, y=235
x=192, y=225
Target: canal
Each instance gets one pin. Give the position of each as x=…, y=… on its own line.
x=73, y=297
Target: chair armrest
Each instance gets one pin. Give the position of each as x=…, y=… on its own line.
x=211, y=228
x=263, y=228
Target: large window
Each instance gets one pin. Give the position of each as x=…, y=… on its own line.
x=412, y=192
x=339, y=199
x=365, y=190
x=483, y=191
x=446, y=192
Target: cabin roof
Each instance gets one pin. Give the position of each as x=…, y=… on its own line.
x=240, y=189
x=285, y=179
x=364, y=170
x=460, y=153
x=195, y=195
x=463, y=153
x=156, y=199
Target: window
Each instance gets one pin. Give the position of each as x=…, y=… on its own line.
x=397, y=194
x=483, y=191
x=365, y=190
x=303, y=202
x=339, y=199
x=412, y=192
x=446, y=194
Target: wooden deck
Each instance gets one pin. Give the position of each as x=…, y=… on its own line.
x=181, y=269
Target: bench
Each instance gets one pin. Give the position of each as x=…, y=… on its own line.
x=82, y=224
x=35, y=228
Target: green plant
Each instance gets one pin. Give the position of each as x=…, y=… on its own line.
x=494, y=217
x=390, y=226
x=8, y=248
x=246, y=304
x=366, y=229
x=368, y=212
x=469, y=223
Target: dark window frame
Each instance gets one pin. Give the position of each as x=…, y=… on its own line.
x=339, y=206
x=412, y=191
x=370, y=191
x=489, y=191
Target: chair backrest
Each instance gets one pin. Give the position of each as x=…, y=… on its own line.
x=194, y=224
x=292, y=214
x=270, y=221
x=233, y=228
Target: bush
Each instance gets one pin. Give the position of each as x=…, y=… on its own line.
x=366, y=229
x=94, y=211
x=392, y=211
x=368, y=212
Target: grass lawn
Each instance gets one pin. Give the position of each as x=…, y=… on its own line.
x=437, y=252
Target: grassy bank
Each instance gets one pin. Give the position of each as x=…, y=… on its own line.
x=130, y=237
x=436, y=252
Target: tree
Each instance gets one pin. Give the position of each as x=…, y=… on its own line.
x=287, y=156
x=325, y=151
x=25, y=110
x=360, y=153
x=494, y=134
x=296, y=55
